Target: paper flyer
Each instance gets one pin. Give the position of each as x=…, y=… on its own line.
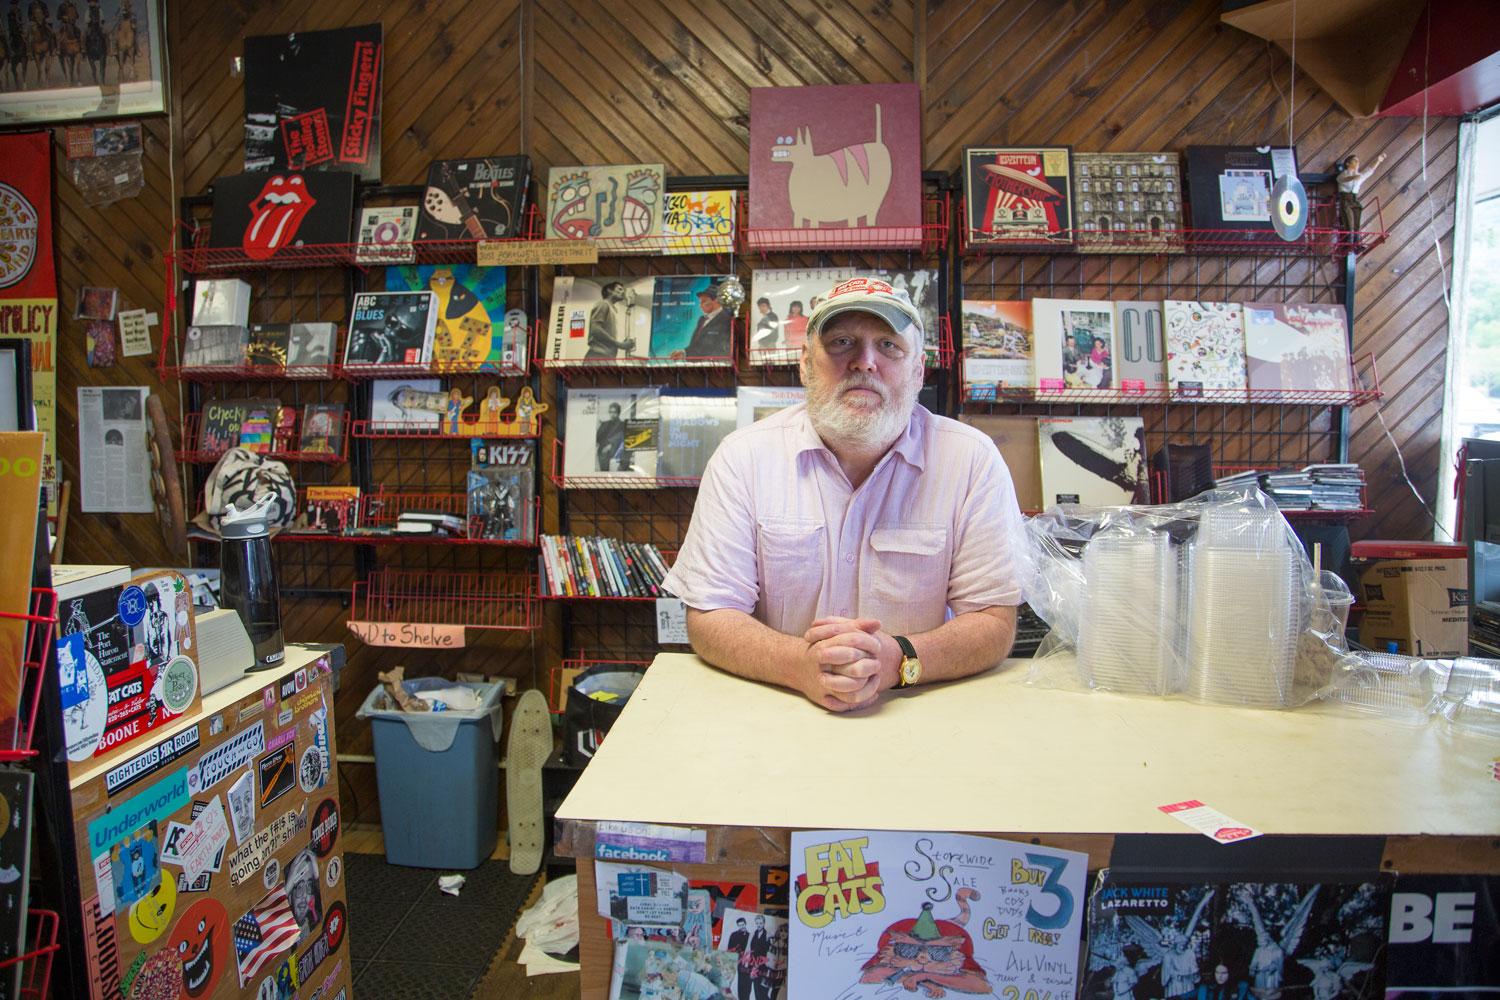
x=883, y=914
x=112, y=454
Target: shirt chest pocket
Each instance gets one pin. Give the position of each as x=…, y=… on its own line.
x=791, y=565
x=910, y=562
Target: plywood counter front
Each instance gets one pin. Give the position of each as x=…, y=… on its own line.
x=701, y=748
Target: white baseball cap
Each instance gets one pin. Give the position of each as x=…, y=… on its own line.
x=878, y=298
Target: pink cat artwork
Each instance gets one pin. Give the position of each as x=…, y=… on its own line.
x=932, y=955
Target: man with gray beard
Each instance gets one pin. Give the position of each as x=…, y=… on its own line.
x=857, y=542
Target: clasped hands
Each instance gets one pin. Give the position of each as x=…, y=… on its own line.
x=849, y=662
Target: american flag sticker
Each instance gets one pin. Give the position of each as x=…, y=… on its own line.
x=265, y=932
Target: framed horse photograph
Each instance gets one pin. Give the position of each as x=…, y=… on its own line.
x=69, y=60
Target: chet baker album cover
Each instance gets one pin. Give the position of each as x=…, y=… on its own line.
x=312, y=100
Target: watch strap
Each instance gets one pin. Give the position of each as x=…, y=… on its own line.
x=908, y=652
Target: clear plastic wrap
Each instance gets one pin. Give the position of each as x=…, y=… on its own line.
x=1212, y=599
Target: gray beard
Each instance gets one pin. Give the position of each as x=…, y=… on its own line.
x=844, y=428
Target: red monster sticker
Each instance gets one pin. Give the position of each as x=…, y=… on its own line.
x=276, y=214
x=201, y=942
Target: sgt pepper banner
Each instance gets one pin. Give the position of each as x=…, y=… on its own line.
x=28, y=276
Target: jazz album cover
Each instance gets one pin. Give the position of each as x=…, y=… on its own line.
x=693, y=425
x=600, y=319
x=1128, y=202
x=611, y=433
x=1020, y=198
x=998, y=347
x=1205, y=348
x=1095, y=461
x=312, y=100
x=475, y=199
x=470, y=330
x=1140, y=347
x=1297, y=346
x=391, y=328
x=781, y=301
x=1075, y=344
x=688, y=323
x=265, y=213
x=620, y=203
x=1016, y=438
x=843, y=160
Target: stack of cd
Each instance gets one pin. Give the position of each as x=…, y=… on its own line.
x=1244, y=614
x=1128, y=629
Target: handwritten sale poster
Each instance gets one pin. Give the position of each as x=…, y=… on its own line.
x=880, y=914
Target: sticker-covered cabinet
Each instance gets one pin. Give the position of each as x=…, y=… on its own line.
x=209, y=855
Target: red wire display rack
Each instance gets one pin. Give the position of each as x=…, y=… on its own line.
x=1322, y=237
x=940, y=358
x=39, y=622
x=196, y=451
x=168, y=363
x=471, y=600
x=435, y=369
x=36, y=960
x=507, y=426
x=613, y=481
x=929, y=237
x=383, y=508
x=556, y=690
x=669, y=556
x=567, y=367
x=1364, y=379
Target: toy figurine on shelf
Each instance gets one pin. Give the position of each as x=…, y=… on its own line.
x=457, y=404
x=1350, y=180
x=489, y=411
x=527, y=411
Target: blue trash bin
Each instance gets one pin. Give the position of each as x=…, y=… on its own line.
x=439, y=778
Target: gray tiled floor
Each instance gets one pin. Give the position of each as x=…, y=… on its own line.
x=408, y=939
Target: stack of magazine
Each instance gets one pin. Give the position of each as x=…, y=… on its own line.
x=578, y=566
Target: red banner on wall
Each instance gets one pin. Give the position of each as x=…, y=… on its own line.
x=26, y=267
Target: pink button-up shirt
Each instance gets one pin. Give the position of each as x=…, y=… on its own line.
x=779, y=533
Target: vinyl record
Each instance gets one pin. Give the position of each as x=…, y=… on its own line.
x=1288, y=207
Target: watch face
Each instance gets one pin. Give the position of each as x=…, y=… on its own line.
x=910, y=671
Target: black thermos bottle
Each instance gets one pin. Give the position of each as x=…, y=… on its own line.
x=247, y=581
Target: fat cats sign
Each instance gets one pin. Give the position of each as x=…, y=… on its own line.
x=837, y=166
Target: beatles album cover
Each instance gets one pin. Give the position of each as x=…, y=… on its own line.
x=1018, y=198
x=698, y=221
x=998, y=347
x=621, y=203
x=311, y=345
x=693, y=425
x=1095, y=461
x=1297, y=346
x=330, y=510
x=215, y=346
x=1237, y=941
x=781, y=300
x=475, y=199
x=601, y=319
x=1205, y=347
x=391, y=328
x=1074, y=344
x=611, y=433
x=15, y=871
x=266, y=212
x=471, y=330
x=688, y=323
x=1127, y=202
x=1140, y=347
x=1016, y=437
x=836, y=158
x=1229, y=189
x=268, y=345
x=385, y=235
x=312, y=100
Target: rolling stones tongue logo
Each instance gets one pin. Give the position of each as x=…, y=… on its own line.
x=275, y=216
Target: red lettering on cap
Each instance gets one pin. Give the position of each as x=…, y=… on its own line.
x=862, y=285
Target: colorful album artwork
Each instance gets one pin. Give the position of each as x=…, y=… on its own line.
x=998, y=347
x=476, y=198
x=1205, y=348
x=270, y=213
x=845, y=160
x=312, y=100
x=622, y=204
x=1018, y=198
x=689, y=324
x=1075, y=344
x=471, y=329
x=1297, y=347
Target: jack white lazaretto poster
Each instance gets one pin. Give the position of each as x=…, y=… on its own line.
x=885, y=914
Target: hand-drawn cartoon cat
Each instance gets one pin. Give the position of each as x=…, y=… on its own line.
x=935, y=955
x=822, y=187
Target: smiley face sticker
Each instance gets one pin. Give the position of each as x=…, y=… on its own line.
x=201, y=943
x=152, y=913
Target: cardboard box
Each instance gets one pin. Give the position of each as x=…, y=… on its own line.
x=1422, y=605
